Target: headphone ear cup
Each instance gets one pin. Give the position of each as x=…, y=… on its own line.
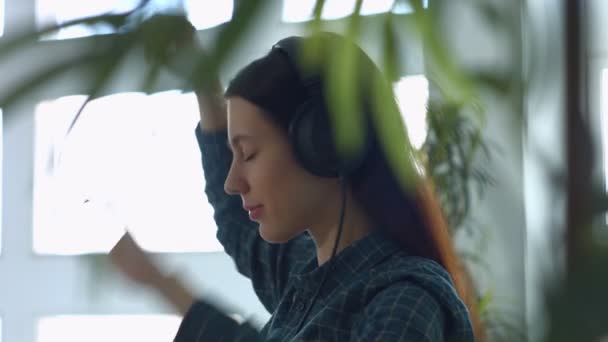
x=310, y=131
x=311, y=138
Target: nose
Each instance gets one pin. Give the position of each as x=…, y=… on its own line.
x=235, y=183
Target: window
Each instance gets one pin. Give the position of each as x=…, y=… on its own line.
x=204, y=15
x=130, y=160
x=300, y=10
x=201, y=14
x=412, y=95
x=117, y=328
x=603, y=234
x=604, y=116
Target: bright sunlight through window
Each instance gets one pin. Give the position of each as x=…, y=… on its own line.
x=131, y=161
x=412, y=95
x=202, y=14
x=302, y=10
x=115, y=328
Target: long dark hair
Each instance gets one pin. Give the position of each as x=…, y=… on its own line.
x=413, y=218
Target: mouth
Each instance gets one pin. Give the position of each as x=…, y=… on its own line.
x=255, y=212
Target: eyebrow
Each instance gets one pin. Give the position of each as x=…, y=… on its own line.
x=237, y=138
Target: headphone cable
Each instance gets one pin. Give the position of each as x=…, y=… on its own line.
x=333, y=254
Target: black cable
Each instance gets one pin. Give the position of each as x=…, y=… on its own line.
x=333, y=254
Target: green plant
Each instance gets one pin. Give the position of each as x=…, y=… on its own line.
x=456, y=155
x=454, y=143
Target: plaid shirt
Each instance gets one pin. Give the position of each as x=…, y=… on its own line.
x=375, y=292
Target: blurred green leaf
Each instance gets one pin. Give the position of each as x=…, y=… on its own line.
x=316, y=23
x=484, y=302
x=453, y=144
x=13, y=44
x=344, y=89
x=103, y=71
x=49, y=73
x=244, y=15
x=491, y=13
x=390, y=52
x=391, y=133
x=457, y=88
x=497, y=81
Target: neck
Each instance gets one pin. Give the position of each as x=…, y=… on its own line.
x=356, y=225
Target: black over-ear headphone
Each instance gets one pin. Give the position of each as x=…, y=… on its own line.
x=309, y=130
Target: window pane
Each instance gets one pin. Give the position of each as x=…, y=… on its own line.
x=201, y=14
x=130, y=160
x=412, y=95
x=116, y=328
x=403, y=7
x=302, y=10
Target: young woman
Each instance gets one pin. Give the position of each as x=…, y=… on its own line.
x=335, y=250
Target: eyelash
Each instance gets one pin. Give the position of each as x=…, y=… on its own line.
x=249, y=158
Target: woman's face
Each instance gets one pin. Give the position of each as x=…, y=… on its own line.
x=278, y=193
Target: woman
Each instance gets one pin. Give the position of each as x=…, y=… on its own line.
x=336, y=252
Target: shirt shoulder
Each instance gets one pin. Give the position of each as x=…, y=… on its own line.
x=402, y=312
x=421, y=290
x=402, y=268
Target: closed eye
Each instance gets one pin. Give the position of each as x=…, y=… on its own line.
x=249, y=157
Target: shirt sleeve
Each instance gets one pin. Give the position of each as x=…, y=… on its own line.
x=203, y=322
x=403, y=312
x=267, y=265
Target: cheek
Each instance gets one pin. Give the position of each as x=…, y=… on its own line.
x=298, y=201
x=284, y=189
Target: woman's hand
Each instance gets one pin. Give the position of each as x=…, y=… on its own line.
x=139, y=267
x=171, y=41
x=134, y=263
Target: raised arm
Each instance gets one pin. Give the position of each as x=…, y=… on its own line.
x=266, y=265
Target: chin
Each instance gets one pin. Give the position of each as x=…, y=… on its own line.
x=274, y=234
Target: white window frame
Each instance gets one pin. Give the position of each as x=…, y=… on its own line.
x=598, y=111
x=596, y=60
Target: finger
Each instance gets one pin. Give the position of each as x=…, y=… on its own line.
x=125, y=248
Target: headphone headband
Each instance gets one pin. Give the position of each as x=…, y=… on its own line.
x=310, y=130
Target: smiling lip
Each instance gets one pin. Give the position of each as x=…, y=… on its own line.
x=254, y=212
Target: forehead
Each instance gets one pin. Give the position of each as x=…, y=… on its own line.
x=242, y=113
x=244, y=117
